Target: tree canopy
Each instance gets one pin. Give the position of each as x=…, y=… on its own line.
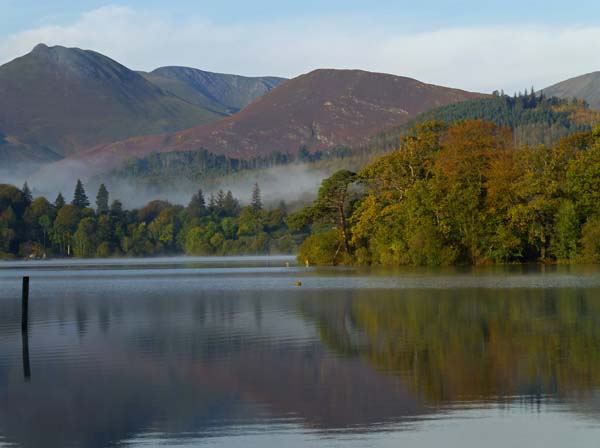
x=465, y=194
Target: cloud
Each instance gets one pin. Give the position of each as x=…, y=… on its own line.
x=473, y=58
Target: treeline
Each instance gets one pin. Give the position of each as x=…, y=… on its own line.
x=461, y=194
x=219, y=225
x=534, y=119
x=177, y=167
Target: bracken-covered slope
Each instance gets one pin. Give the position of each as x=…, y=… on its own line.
x=320, y=110
x=56, y=101
x=222, y=93
x=585, y=87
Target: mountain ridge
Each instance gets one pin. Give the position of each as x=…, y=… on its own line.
x=221, y=92
x=320, y=110
x=55, y=101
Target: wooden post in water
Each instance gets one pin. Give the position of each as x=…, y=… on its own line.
x=24, y=328
x=26, y=366
x=25, y=304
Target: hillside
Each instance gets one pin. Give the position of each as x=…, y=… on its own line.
x=533, y=119
x=60, y=100
x=585, y=87
x=318, y=111
x=221, y=93
x=14, y=154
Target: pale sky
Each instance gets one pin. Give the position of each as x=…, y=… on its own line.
x=474, y=45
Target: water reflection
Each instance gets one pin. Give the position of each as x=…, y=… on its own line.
x=157, y=361
x=472, y=344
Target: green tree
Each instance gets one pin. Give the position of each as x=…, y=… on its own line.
x=102, y=200
x=566, y=232
x=65, y=226
x=590, y=241
x=332, y=204
x=80, y=199
x=27, y=193
x=84, y=239
x=38, y=207
x=256, y=201
x=59, y=202
x=45, y=223
x=197, y=206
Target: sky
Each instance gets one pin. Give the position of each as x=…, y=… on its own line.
x=473, y=45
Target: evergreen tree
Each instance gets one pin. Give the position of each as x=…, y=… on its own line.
x=197, y=205
x=27, y=193
x=220, y=200
x=304, y=154
x=59, y=202
x=231, y=205
x=102, y=199
x=80, y=199
x=116, y=208
x=256, y=199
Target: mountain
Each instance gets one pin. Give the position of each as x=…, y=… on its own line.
x=585, y=87
x=56, y=101
x=222, y=93
x=319, y=111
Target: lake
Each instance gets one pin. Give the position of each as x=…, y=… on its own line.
x=229, y=352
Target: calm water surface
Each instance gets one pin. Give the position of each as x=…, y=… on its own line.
x=228, y=352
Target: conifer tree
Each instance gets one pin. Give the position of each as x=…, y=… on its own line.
x=102, y=199
x=80, y=199
x=27, y=193
x=116, y=208
x=220, y=200
x=59, y=202
x=231, y=204
x=197, y=205
x=256, y=199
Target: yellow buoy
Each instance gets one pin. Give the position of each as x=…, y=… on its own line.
x=298, y=283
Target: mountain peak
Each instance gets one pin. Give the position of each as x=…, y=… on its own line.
x=68, y=99
x=41, y=47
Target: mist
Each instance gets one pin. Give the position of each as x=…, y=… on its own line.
x=295, y=184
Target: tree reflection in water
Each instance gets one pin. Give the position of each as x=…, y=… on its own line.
x=472, y=344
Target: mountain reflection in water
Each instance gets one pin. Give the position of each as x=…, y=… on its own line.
x=137, y=357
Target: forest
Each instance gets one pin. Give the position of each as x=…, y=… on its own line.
x=533, y=119
x=220, y=225
x=461, y=193
x=182, y=168
x=455, y=190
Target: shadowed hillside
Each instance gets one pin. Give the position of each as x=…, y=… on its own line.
x=56, y=101
x=218, y=92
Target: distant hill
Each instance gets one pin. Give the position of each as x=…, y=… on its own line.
x=585, y=87
x=317, y=111
x=56, y=101
x=224, y=94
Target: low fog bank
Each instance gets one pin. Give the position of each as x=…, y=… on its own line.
x=294, y=184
